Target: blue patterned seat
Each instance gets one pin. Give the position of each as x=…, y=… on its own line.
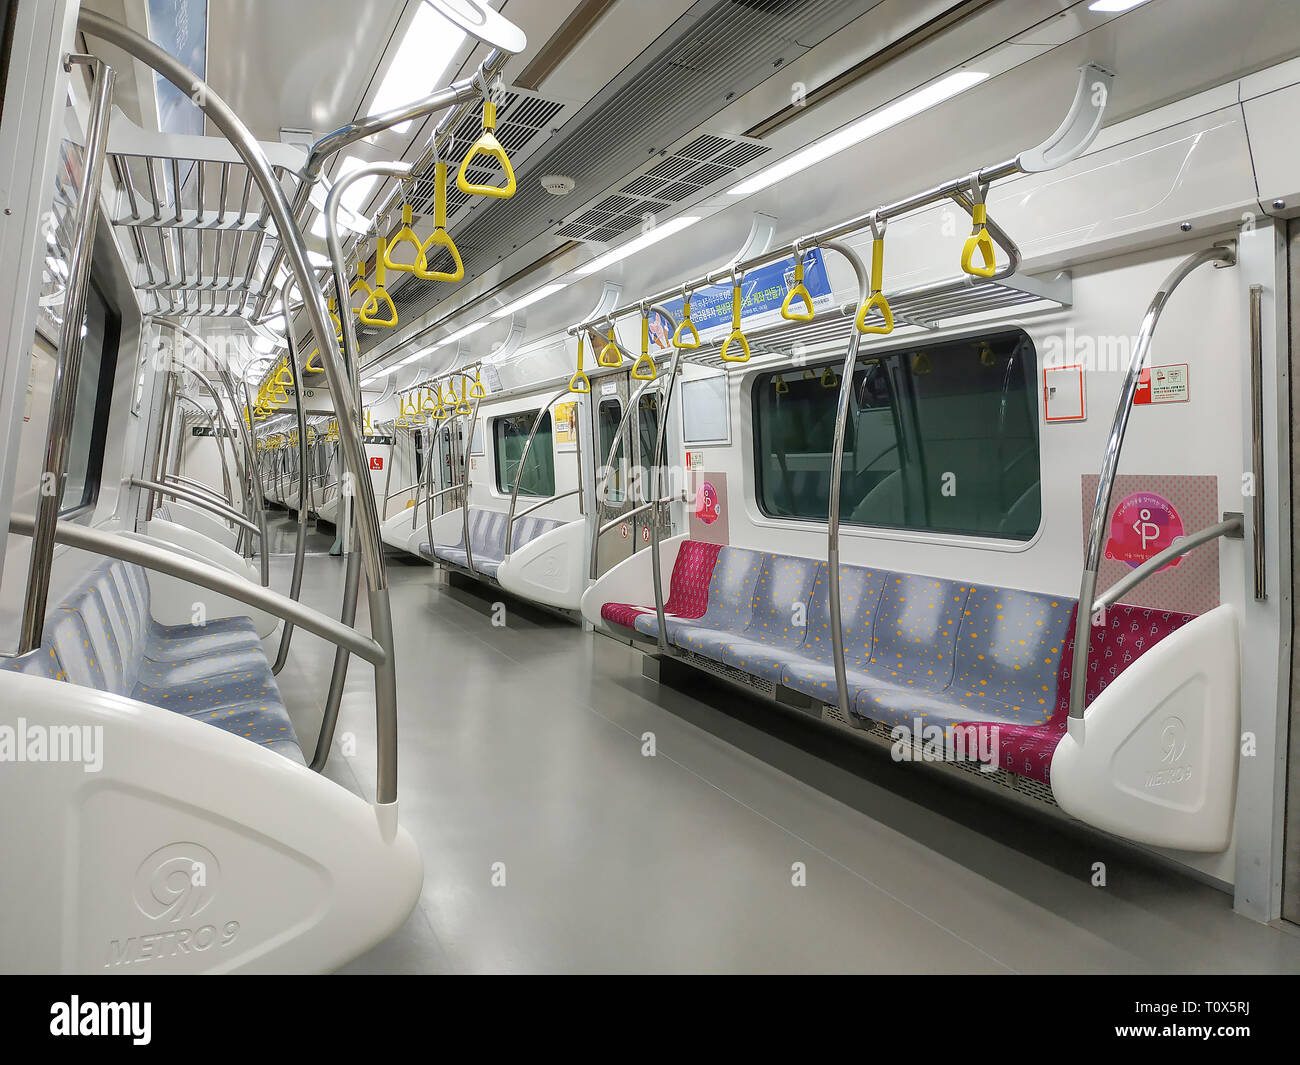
x=914, y=646
x=102, y=636
x=487, y=540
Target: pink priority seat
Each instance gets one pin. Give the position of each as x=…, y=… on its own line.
x=1128, y=632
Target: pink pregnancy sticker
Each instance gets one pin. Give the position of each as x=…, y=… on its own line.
x=706, y=507
x=1143, y=524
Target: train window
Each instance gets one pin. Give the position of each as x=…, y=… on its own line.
x=647, y=419
x=510, y=434
x=940, y=439
x=94, y=397
x=608, y=415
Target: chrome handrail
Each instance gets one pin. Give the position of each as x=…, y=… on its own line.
x=141, y=551
x=523, y=459
x=546, y=503
x=345, y=388
x=603, y=529
x=837, y=471
x=602, y=485
x=1231, y=528
x=199, y=499
x=656, y=565
x=63, y=392
x=1219, y=253
x=300, y=541
x=295, y=252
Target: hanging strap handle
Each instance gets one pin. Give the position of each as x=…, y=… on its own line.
x=798, y=291
x=404, y=235
x=610, y=355
x=439, y=238
x=979, y=238
x=679, y=341
x=644, y=367
x=580, y=382
x=487, y=144
x=737, y=302
x=369, y=313
x=876, y=301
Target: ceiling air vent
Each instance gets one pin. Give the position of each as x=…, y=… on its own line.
x=687, y=171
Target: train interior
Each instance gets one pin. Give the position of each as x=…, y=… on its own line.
x=705, y=486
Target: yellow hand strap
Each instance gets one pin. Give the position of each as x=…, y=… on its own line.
x=360, y=284
x=488, y=145
x=979, y=239
x=736, y=335
x=800, y=291
x=829, y=378
x=610, y=355
x=644, y=367
x=678, y=340
x=309, y=368
x=876, y=301
x=781, y=387
x=476, y=389
x=369, y=312
x=580, y=382
x=405, y=235
x=439, y=238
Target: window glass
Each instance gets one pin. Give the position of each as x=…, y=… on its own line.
x=942, y=438
x=510, y=434
x=608, y=414
x=94, y=396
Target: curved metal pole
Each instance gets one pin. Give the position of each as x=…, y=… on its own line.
x=602, y=487
x=656, y=566
x=464, y=510
x=191, y=495
x=300, y=543
x=1106, y=481
x=295, y=253
x=837, y=471
x=206, y=415
x=1232, y=528
x=523, y=458
x=240, y=469
x=250, y=452
x=144, y=551
x=344, y=386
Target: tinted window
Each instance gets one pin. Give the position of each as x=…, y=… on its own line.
x=942, y=438
x=510, y=434
x=94, y=397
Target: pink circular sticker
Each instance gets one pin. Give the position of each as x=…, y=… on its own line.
x=706, y=508
x=1143, y=524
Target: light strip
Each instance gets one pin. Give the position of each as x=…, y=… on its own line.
x=531, y=298
x=427, y=49
x=876, y=122
x=1114, y=6
x=645, y=240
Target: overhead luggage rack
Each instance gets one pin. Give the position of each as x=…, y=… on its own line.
x=198, y=220
x=927, y=309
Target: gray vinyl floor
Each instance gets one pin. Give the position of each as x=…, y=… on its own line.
x=522, y=745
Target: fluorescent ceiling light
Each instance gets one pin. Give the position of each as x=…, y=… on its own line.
x=422, y=59
x=460, y=334
x=412, y=358
x=319, y=261
x=645, y=240
x=899, y=111
x=531, y=298
x=1114, y=6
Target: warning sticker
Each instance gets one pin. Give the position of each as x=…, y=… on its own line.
x=1163, y=384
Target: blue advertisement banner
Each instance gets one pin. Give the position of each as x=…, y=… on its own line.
x=763, y=290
